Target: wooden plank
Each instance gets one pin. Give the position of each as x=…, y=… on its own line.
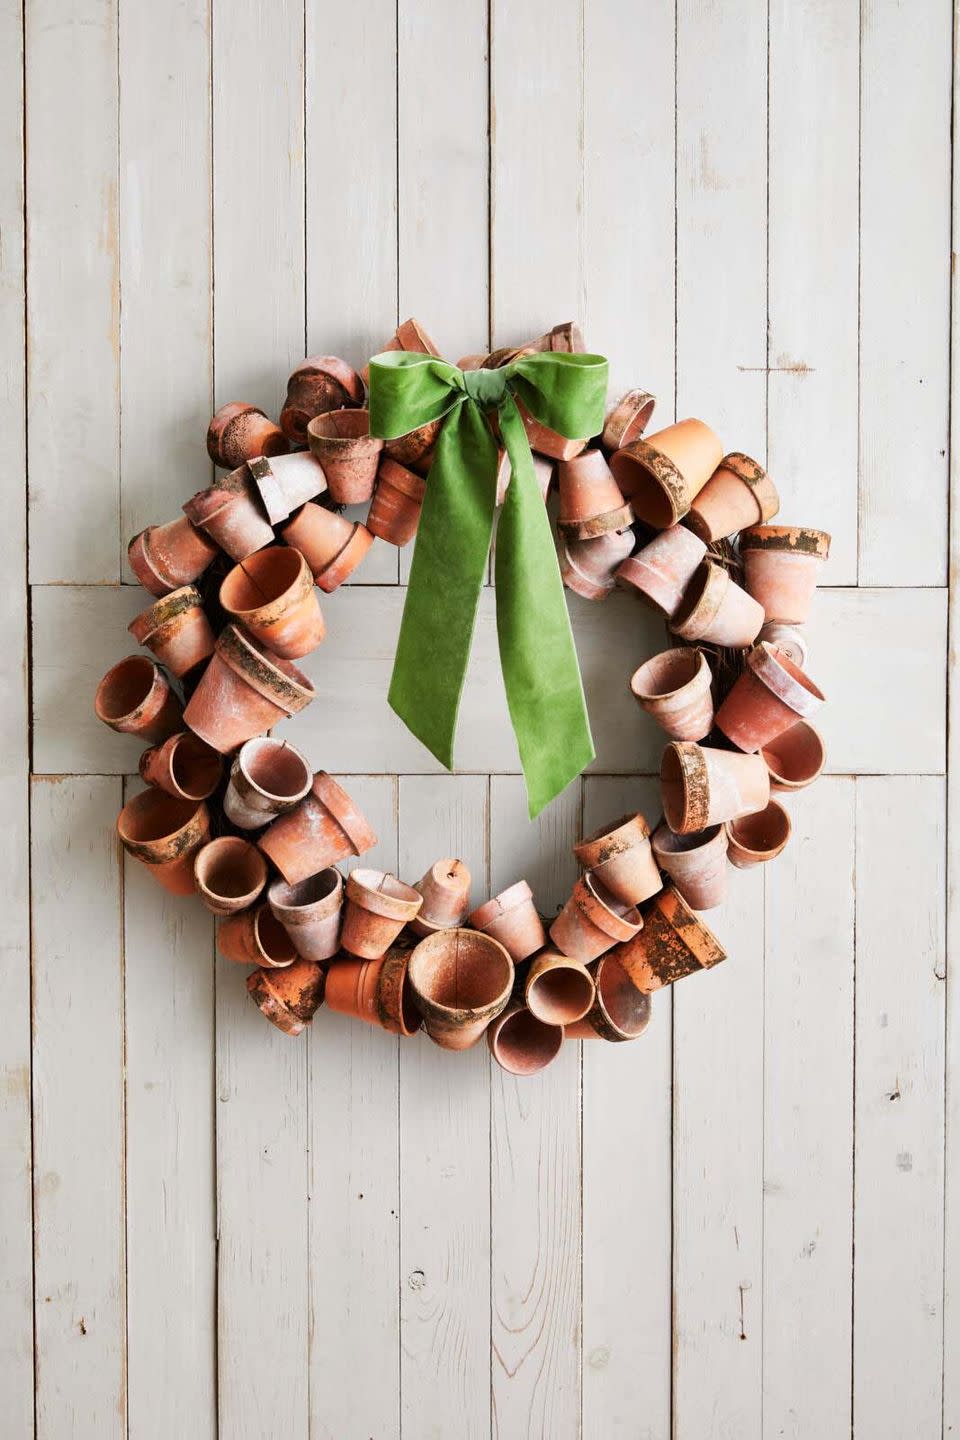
x=78, y=1109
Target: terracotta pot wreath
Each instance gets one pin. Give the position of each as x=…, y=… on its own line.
x=241, y=819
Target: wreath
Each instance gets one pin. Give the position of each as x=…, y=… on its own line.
x=441, y=452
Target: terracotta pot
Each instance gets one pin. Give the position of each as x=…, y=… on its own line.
x=378, y=906
x=716, y=610
x=232, y=514
x=619, y=1012
x=592, y=921
x=184, y=766
x=164, y=557
x=674, y=942
x=548, y=442
x=770, y=696
x=332, y=546
x=409, y=336
x=177, y=630
x=627, y=420
x=739, y=493
x=558, y=990
x=349, y=454
x=755, y=839
x=660, y=572
x=164, y=834
x=318, y=384
x=288, y=998
x=700, y=786
x=395, y=512
x=697, y=864
x=256, y=937
x=564, y=339
x=416, y=447
x=782, y=566
x=325, y=827
x=396, y=1004
x=268, y=777
x=244, y=691
x=590, y=503
x=239, y=431
x=471, y=362
x=512, y=919
x=461, y=980
x=788, y=638
x=375, y=991
x=521, y=1043
x=230, y=873
x=620, y=858
x=542, y=468
x=271, y=594
x=662, y=475
x=310, y=912
x=285, y=482
x=446, y=897
x=135, y=698
x=589, y=567
x=795, y=759
x=674, y=688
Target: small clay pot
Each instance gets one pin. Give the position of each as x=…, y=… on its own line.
x=164, y=557
x=674, y=688
x=268, y=777
x=662, y=475
x=755, y=839
x=788, y=638
x=715, y=609
x=272, y=595
x=396, y=1006
x=231, y=512
x=545, y=441
x=164, y=834
x=415, y=448
x=177, y=630
x=619, y=1012
x=325, y=827
x=349, y=454
x=409, y=336
x=244, y=691
x=620, y=858
x=558, y=989
x=230, y=873
x=700, y=786
x=256, y=937
x=461, y=980
x=521, y=1043
x=796, y=758
x=135, y=698
x=660, y=572
x=288, y=998
x=184, y=766
x=543, y=470
x=395, y=511
x=332, y=546
x=769, y=696
x=593, y=920
x=697, y=864
x=589, y=567
x=375, y=991
x=739, y=493
x=512, y=919
x=674, y=942
x=782, y=565
x=310, y=912
x=590, y=503
x=318, y=384
x=286, y=482
x=378, y=906
x=239, y=431
x=446, y=897
x=627, y=420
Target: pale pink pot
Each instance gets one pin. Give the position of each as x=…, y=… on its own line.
x=700, y=786
x=619, y=858
x=674, y=688
x=795, y=758
x=589, y=567
x=521, y=1043
x=310, y=912
x=619, y=1012
x=268, y=777
x=559, y=990
x=232, y=514
x=592, y=921
x=660, y=572
x=696, y=863
x=770, y=696
x=446, y=897
x=378, y=906
x=349, y=454
x=716, y=610
x=788, y=638
x=782, y=568
x=512, y=919
x=230, y=874
x=757, y=839
x=739, y=493
x=590, y=502
x=285, y=482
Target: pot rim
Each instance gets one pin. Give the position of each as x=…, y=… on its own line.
x=510, y=1016
x=334, y=798
x=701, y=601
x=276, y=679
x=152, y=699
x=298, y=586
x=756, y=479
x=250, y=787
x=787, y=681
x=184, y=837
x=280, y=892
x=694, y=842
x=694, y=778
x=635, y=403
x=616, y=837
x=601, y=908
x=700, y=679
x=163, y=610
x=515, y=895
x=381, y=893
x=769, y=852
x=208, y=855
x=800, y=540
x=661, y=471
x=599, y=1016
x=458, y=1017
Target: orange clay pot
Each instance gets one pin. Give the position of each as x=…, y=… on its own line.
x=318, y=384
x=271, y=594
x=739, y=493
x=548, y=442
x=521, y=1043
x=788, y=638
x=349, y=454
x=715, y=609
x=674, y=689
x=460, y=980
x=620, y=858
x=590, y=503
x=184, y=766
x=512, y=919
x=409, y=336
x=674, y=942
x=697, y=864
x=558, y=990
x=230, y=874
x=244, y=691
x=378, y=906
x=238, y=432
x=165, y=834
x=135, y=698
x=446, y=897
x=288, y=998
x=589, y=567
x=375, y=991
x=232, y=514
x=755, y=839
x=660, y=572
x=332, y=546
x=325, y=827
x=177, y=630
x=662, y=475
x=592, y=921
x=416, y=447
x=256, y=937
x=796, y=758
x=627, y=420
x=700, y=786
x=770, y=696
x=542, y=468
x=268, y=777
x=285, y=482
x=395, y=512
x=310, y=912
x=164, y=557
x=619, y=1012
x=782, y=565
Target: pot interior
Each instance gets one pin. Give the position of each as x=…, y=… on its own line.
x=125, y=687
x=627, y=1009
x=273, y=938
x=194, y=766
x=663, y=675
x=562, y=994
x=763, y=831
x=154, y=815
x=796, y=755
x=231, y=868
x=275, y=768
x=461, y=970
x=523, y=1044
x=261, y=578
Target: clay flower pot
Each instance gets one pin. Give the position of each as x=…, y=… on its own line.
x=590, y=503
x=164, y=834
x=349, y=454
x=697, y=864
x=310, y=912
x=288, y=998
x=770, y=696
x=619, y=1012
x=542, y=468
x=461, y=980
x=547, y=442
x=318, y=384
x=715, y=609
x=446, y=897
x=230, y=873
x=782, y=566
x=755, y=839
x=512, y=919
x=674, y=942
x=231, y=512
x=558, y=990
x=184, y=766
x=620, y=858
x=660, y=572
x=272, y=595
x=739, y=493
x=415, y=448
x=627, y=420
x=332, y=546
x=286, y=482
x=164, y=557
x=795, y=758
x=325, y=827
x=177, y=630
x=674, y=688
x=593, y=920
x=378, y=906
x=244, y=691
x=700, y=786
x=395, y=512
x=135, y=698
x=256, y=937
x=375, y=991
x=521, y=1043
x=239, y=431
x=268, y=777
x=409, y=336
x=788, y=638
x=662, y=475
x=589, y=567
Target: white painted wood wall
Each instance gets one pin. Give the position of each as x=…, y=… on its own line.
x=746, y=1225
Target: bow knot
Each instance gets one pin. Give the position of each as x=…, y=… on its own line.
x=486, y=387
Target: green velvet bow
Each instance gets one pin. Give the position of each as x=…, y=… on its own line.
x=541, y=675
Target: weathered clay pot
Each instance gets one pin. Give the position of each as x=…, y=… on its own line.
x=395, y=512
x=460, y=980
x=739, y=493
x=285, y=482
x=415, y=448
x=318, y=384
x=135, y=698
x=409, y=336
x=782, y=566
x=231, y=512
x=271, y=594
x=177, y=630
x=310, y=912
x=512, y=919
x=268, y=777
x=521, y=1043
x=662, y=475
x=239, y=431
x=325, y=827
x=770, y=696
x=788, y=638
x=558, y=990
x=446, y=897
x=256, y=937
x=378, y=906
x=619, y=1011
x=331, y=545
x=795, y=758
x=660, y=572
x=375, y=991
x=396, y=1005
x=543, y=469
x=547, y=442
x=627, y=420
x=184, y=766
x=590, y=502
x=589, y=567
x=230, y=873
x=592, y=921
x=349, y=454
x=244, y=691
x=697, y=864
x=563, y=339
x=164, y=834
x=700, y=786
x=620, y=858
x=674, y=688
x=288, y=998
x=674, y=942
x=164, y=557
x=755, y=839
x=716, y=610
